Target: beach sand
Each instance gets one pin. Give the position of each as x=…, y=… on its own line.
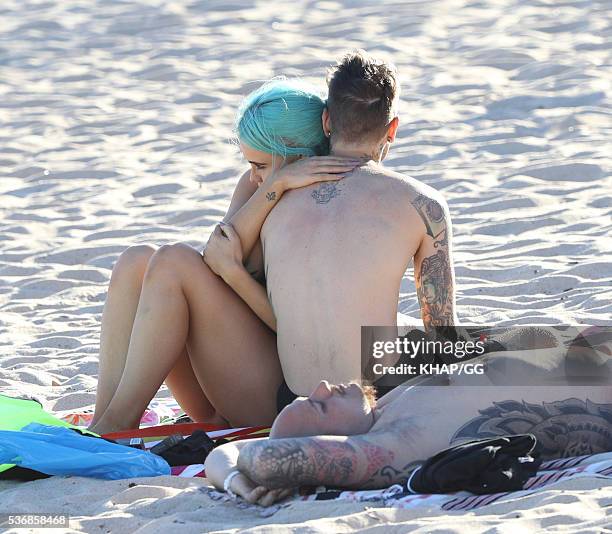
x=115, y=120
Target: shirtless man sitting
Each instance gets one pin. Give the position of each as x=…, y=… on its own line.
x=340, y=436
x=335, y=253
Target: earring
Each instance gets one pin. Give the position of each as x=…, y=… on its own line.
x=328, y=134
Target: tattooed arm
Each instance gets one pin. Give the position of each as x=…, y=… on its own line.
x=222, y=461
x=243, y=192
x=249, y=219
x=368, y=461
x=433, y=264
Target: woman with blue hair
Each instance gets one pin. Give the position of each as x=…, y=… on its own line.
x=283, y=118
x=203, y=323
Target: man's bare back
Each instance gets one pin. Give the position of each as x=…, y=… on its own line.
x=335, y=254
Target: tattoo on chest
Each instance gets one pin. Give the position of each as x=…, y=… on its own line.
x=325, y=192
x=390, y=475
x=570, y=427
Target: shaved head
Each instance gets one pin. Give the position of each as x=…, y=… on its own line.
x=342, y=409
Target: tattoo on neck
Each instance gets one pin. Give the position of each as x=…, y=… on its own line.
x=325, y=192
x=271, y=195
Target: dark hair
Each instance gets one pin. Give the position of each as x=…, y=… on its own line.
x=362, y=93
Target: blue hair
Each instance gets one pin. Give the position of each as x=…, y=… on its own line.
x=283, y=117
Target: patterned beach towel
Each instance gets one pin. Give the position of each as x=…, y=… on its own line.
x=596, y=465
x=158, y=412
x=550, y=473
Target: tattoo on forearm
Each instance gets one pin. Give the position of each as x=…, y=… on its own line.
x=309, y=462
x=569, y=427
x=295, y=462
x=376, y=459
x=271, y=195
x=325, y=192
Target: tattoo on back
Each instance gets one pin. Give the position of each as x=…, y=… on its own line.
x=570, y=427
x=325, y=192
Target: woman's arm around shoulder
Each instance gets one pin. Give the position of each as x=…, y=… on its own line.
x=244, y=190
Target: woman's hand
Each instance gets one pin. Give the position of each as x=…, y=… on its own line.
x=307, y=171
x=223, y=251
x=247, y=489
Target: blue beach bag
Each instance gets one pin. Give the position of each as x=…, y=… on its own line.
x=57, y=450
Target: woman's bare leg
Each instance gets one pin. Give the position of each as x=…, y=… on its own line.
x=187, y=391
x=231, y=350
x=117, y=321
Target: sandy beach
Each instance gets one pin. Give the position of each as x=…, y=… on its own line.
x=115, y=129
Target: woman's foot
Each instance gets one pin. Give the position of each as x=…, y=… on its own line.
x=106, y=426
x=108, y=423
x=101, y=430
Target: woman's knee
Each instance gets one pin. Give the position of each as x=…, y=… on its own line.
x=133, y=261
x=176, y=259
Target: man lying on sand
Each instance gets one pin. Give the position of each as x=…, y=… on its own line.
x=340, y=436
x=334, y=254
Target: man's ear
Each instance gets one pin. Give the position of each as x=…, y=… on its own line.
x=392, y=129
x=326, y=122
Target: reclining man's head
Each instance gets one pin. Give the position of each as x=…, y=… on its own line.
x=337, y=410
x=361, y=115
